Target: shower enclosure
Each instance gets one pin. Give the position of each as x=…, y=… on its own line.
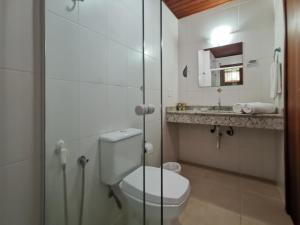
x=102, y=59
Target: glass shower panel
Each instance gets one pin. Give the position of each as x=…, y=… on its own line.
x=93, y=81
x=153, y=93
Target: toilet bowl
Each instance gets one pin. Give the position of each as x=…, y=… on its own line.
x=121, y=166
x=176, y=190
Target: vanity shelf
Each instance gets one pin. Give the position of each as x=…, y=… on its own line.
x=226, y=68
x=225, y=118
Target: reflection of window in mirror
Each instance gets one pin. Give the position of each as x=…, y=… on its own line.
x=232, y=75
x=221, y=66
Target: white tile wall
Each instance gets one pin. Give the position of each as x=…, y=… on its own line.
x=62, y=51
x=19, y=201
x=19, y=154
x=249, y=28
x=116, y=106
x=17, y=108
x=135, y=69
x=170, y=81
x=134, y=37
x=249, y=151
x=62, y=110
x=152, y=78
x=94, y=15
x=16, y=39
x=93, y=113
x=61, y=8
x=258, y=158
x=117, y=64
x=93, y=56
x=152, y=21
x=118, y=29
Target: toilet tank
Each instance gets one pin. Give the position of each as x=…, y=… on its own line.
x=121, y=153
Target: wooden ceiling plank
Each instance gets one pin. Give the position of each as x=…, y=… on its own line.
x=199, y=5
x=185, y=3
x=183, y=8
x=194, y=10
x=207, y=4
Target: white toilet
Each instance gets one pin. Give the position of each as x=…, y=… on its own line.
x=121, y=165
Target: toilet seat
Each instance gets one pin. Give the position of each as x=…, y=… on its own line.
x=176, y=188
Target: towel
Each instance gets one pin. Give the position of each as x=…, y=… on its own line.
x=238, y=107
x=259, y=107
x=276, y=79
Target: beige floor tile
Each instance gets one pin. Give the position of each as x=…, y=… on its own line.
x=259, y=187
x=218, y=194
x=220, y=198
x=193, y=173
x=196, y=174
x=257, y=210
x=223, y=178
x=198, y=212
x=251, y=221
x=189, y=219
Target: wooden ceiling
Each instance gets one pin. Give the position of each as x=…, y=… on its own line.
x=183, y=8
x=227, y=50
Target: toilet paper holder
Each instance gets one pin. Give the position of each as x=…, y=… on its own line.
x=148, y=148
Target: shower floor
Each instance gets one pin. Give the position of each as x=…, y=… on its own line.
x=220, y=198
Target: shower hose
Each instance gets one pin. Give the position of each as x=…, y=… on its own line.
x=65, y=195
x=82, y=161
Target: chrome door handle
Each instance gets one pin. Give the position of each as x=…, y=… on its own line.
x=143, y=109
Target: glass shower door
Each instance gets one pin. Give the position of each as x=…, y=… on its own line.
x=153, y=122
x=94, y=76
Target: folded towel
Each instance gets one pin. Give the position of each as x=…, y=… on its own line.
x=259, y=107
x=238, y=107
x=276, y=80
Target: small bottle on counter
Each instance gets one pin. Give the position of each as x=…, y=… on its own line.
x=181, y=107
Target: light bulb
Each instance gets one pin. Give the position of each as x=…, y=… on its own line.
x=221, y=35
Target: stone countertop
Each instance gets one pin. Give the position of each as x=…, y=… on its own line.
x=224, y=117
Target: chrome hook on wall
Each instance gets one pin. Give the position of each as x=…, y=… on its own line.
x=74, y=5
x=275, y=52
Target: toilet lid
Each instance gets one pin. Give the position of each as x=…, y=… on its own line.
x=176, y=188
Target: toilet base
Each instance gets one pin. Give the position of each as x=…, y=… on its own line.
x=137, y=221
x=153, y=214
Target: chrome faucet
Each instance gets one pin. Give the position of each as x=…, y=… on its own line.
x=219, y=90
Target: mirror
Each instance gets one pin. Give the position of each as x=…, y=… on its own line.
x=221, y=66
